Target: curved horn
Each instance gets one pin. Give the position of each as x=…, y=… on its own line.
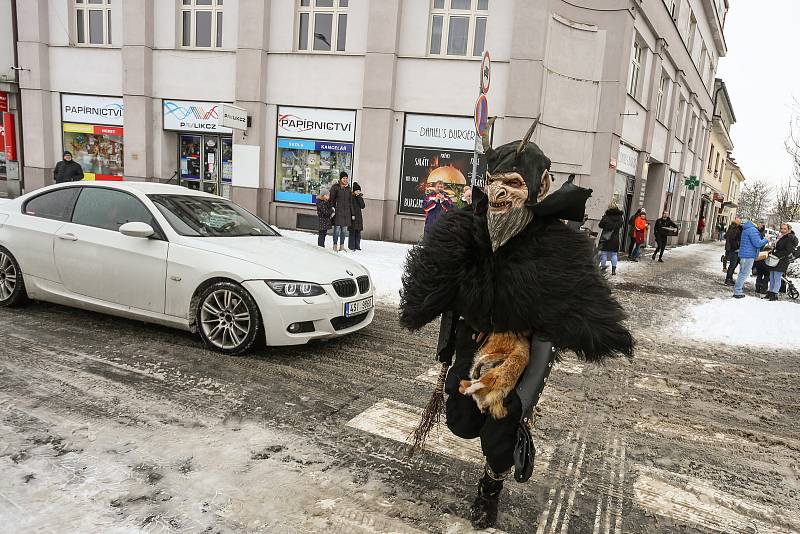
x=524, y=142
x=485, y=138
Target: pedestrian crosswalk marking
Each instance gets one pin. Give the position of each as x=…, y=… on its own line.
x=689, y=499
x=396, y=421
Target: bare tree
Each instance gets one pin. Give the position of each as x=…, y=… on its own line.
x=755, y=200
x=787, y=203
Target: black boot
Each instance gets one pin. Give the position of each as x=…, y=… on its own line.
x=773, y=296
x=483, y=512
x=767, y=296
x=613, y=270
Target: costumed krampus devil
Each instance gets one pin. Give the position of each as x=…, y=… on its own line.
x=514, y=285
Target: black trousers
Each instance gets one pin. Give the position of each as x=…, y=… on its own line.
x=661, y=246
x=321, y=237
x=354, y=240
x=465, y=420
x=733, y=262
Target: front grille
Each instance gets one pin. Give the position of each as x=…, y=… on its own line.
x=345, y=288
x=363, y=284
x=341, y=323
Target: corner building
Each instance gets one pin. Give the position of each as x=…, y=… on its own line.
x=384, y=90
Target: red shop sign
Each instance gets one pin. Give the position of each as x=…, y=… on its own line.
x=108, y=130
x=9, y=133
x=3, y=101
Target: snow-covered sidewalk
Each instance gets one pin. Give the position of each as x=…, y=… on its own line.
x=383, y=259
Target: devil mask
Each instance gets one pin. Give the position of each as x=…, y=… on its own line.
x=517, y=184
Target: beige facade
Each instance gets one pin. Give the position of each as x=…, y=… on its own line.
x=713, y=188
x=623, y=91
x=732, y=184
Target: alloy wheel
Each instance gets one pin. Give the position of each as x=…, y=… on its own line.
x=8, y=277
x=225, y=319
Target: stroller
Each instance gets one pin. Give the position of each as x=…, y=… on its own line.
x=791, y=290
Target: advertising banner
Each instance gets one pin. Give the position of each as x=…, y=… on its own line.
x=90, y=109
x=191, y=116
x=437, y=148
x=313, y=147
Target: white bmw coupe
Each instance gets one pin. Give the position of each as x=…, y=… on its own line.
x=169, y=255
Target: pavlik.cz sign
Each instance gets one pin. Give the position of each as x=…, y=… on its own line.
x=88, y=109
x=191, y=116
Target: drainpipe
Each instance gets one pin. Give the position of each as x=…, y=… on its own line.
x=21, y=144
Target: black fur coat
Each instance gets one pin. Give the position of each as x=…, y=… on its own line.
x=544, y=280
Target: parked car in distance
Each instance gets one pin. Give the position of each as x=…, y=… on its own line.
x=177, y=257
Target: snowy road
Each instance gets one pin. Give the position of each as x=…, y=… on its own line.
x=109, y=425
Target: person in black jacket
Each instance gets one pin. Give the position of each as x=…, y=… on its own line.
x=67, y=170
x=356, y=218
x=733, y=237
x=783, y=248
x=324, y=214
x=610, y=225
x=662, y=234
x=342, y=202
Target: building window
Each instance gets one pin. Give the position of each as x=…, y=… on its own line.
x=663, y=86
x=692, y=125
x=710, y=157
x=93, y=22
x=636, y=66
x=670, y=189
x=691, y=32
x=201, y=23
x=670, y=7
x=458, y=27
x=322, y=25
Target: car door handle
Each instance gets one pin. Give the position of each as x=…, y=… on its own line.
x=67, y=237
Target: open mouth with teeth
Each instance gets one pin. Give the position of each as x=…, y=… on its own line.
x=500, y=205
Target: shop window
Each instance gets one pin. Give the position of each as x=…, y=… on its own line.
x=92, y=22
x=97, y=148
x=458, y=27
x=322, y=25
x=201, y=23
x=109, y=209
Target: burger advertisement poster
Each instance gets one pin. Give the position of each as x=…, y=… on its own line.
x=437, y=148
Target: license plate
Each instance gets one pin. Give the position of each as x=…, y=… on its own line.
x=358, y=306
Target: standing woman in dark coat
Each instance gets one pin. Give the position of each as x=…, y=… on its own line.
x=783, y=248
x=357, y=220
x=609, y=238
x=342, y=202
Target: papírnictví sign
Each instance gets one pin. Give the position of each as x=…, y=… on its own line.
x=90, y=109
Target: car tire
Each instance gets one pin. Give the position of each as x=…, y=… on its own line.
x=12, y=285
x=227, y=318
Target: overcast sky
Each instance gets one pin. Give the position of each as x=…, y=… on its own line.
x=762, y=73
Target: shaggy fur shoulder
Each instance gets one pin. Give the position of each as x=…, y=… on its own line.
x=544, y=280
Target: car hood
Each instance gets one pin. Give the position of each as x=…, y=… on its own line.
x=291, y=259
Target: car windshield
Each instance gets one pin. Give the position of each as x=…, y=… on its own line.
x=198, y=216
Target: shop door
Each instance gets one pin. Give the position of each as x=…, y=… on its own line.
x=205, y=162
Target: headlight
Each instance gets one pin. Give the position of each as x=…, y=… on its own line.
x=291, y=288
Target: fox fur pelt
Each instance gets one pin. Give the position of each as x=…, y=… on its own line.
x=544, y=281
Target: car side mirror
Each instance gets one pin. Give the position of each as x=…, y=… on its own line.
x=137, y=229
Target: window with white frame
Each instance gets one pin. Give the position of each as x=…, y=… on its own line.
x=670, y=7
x=703, y=58
x=458, y=28
x=636, y=65
x=691, y=32
x=663, y=87
x=692, y=126
x=322, y=25
x=92, y=22
x=201, y=23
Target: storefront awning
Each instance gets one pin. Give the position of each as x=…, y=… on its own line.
x=730, y=205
